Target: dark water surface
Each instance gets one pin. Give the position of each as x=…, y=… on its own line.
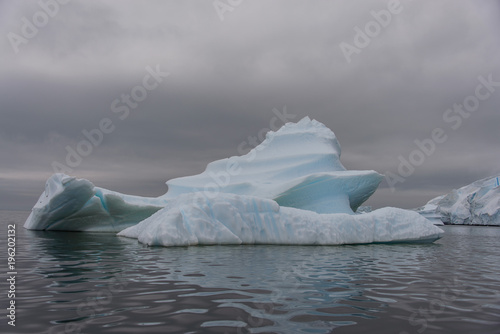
x=100, y=283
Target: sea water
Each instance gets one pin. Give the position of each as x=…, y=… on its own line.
x=70, y=282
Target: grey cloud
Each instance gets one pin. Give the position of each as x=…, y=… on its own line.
x=226, y=77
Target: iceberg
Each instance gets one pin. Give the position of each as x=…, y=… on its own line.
x=196, y=219
x=290, y=189
x=475, y=204
x=71, y=204
x=429, y=211
x=298, y=166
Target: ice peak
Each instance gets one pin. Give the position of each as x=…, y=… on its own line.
x=306, y=136
x=305, y=125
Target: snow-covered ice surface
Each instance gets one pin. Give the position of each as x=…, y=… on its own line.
x=429, y=211
x=71, y=204
x=298, y=166
x=291, y=189
x=196, y=219
x=475, y=204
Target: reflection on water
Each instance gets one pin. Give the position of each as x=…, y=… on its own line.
x=100, y=283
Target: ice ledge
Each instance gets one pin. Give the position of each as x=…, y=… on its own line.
x=195, y=219
x=72, y=204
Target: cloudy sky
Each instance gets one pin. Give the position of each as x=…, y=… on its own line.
x=379, y=85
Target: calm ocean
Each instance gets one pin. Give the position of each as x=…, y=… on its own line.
x=100, y=283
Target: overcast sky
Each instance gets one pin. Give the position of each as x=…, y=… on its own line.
x=229, y=66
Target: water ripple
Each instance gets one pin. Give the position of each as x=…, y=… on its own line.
x=91, y=282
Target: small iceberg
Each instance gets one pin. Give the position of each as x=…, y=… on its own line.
x=475, y=204
x=71, y=204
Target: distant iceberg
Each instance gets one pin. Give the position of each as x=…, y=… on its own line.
x=291, y=189
x=429, y=211
x=475, y=204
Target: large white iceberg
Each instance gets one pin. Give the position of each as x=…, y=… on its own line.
x=291, y=189
x=475, y=204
